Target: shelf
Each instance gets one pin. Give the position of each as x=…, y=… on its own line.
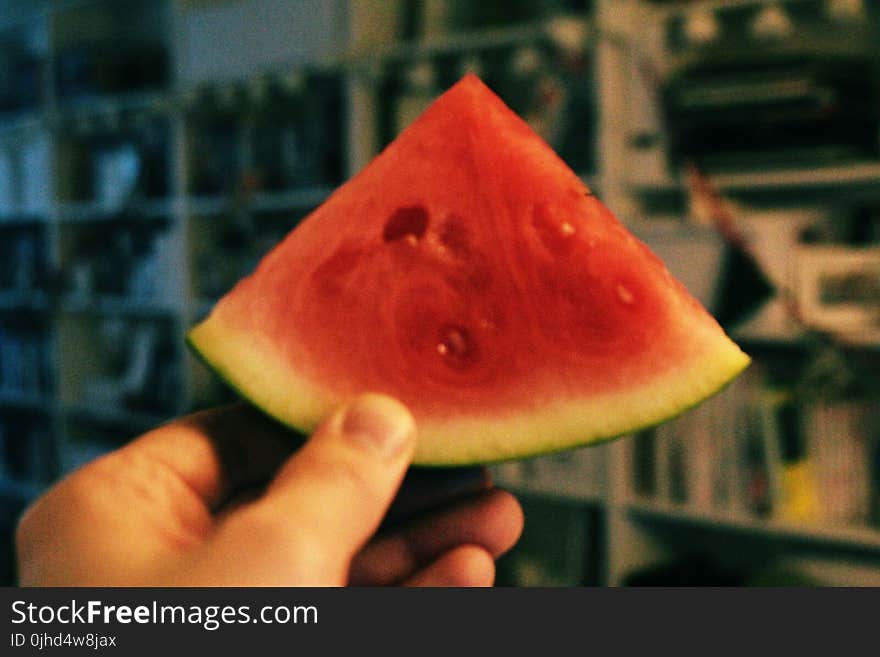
x=687, y=6
x=109, y=104
x=38, y=301
x=793, y=335
x=33, y=300
x=556, y=490
x=456, y=43
x=115, y=417
x=776, y=333
x=799, y=339
x=110, y=305
x=289, y=200
x=26, y=491
x=15, y=124
x=14, y=220
x=26, y=401
x=293, y=199
x=552, y=491
x=95, y=107
x=89, y=211
x=862, y=538
x=208, y=205
x=830, y=176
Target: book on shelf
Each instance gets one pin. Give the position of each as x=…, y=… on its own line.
x=761, y=451
x=22, y=447
x=840, y=448
x=8, y=184
x=792, y=487
x=644, y=463
x=419, y=89
x=558, y=547
x=572, y=473
x=697, y=459
x=22, y=260
x=36, y=180
x=138, y=371
x=24, y=362
x=703, y=447
x=817, y=458
x=874, y=487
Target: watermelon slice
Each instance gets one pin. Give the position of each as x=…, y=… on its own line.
x=468, y=272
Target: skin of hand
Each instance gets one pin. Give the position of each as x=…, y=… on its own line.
x=167, y=510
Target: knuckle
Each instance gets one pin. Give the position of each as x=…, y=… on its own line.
x=355, y=479
x=295, y=546
x=43, y=525
x=24, y=531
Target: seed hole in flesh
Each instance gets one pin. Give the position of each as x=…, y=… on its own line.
x=624, y=294
x=455, y=346
x=454, y=236
x=334, y=273
x=553, y=229
x=407, y=223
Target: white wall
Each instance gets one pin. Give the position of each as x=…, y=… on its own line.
x=230, y=40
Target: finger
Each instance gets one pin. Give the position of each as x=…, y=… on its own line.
x=217, y=452
x=326, y=501
x=493, y=521
x=159, y=488
x=428, y=489
x=466, y=565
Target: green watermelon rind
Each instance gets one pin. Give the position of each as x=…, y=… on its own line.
x=304, y=405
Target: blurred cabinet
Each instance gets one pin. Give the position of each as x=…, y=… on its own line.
x=145, y=166
x=737, y=491
x=776, y=476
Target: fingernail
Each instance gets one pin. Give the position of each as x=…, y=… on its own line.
x=380, y=423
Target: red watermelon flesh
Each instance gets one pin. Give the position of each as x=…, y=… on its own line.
x=468, y=272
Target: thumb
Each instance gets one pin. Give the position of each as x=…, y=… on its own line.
x=329, y=498
x=349, y=471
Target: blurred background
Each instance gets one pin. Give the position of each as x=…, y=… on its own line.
x=151, y=151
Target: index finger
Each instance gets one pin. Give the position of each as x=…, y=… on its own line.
x=219, y=451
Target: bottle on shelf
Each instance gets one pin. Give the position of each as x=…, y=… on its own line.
x=108, y=48
x=129, y=260
x=550, y=83
x=137, y=369
x=278, y=157
x=24, y=357
x=418, y=91
x=22, y=441
x=23, y=67
x=874, y=475
x=295, y=140
x=216, y=141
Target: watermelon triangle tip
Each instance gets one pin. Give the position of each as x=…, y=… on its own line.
x=472, y=83
x=472, y=78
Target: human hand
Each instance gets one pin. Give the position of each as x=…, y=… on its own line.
x=167, y=510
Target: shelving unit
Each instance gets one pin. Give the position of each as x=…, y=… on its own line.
x=356, y=52
x=848, y=537
x=654, y=536
x=85, y=106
